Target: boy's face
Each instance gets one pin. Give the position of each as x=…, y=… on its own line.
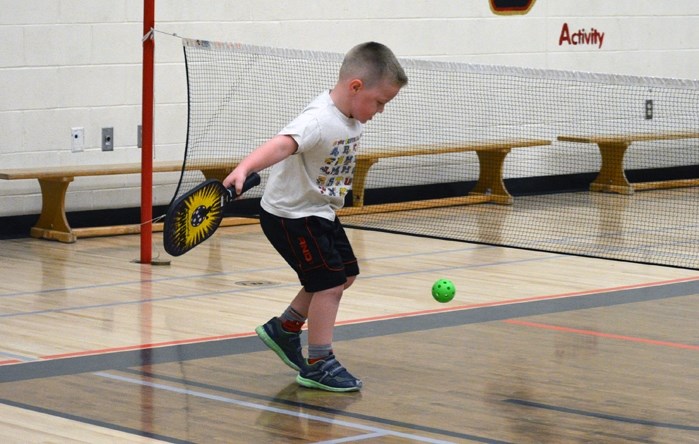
x=366, y=102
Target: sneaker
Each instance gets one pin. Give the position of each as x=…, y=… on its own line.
x=287, y=345
x=328, y=374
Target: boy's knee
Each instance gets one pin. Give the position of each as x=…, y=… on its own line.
x=350, y=281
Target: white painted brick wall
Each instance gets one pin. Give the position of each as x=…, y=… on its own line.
x=77, y=63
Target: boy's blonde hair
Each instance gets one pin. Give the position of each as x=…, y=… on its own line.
x=372, y=62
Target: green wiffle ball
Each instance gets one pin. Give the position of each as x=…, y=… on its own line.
x=443, y=290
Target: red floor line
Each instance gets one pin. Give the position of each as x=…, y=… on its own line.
x=10, y=361
x=145, y=346
x=379, y=318
x=602, y=335
x=449, y=308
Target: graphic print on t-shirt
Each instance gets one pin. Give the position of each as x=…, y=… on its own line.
x=335, y=177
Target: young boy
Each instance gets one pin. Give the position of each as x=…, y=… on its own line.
x=313, y=165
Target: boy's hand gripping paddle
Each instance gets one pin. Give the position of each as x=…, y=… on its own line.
x=195, y=216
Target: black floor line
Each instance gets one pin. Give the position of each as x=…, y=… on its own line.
x=185, y=352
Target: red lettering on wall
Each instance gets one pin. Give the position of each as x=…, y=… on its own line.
x=580, y=37
x=565, y=35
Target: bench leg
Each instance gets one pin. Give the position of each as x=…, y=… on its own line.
x=52, y=223
x=490, y=181
x=611, y=177
x=217, y=173
x=361, y=170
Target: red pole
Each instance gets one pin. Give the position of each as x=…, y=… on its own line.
x=147, y=132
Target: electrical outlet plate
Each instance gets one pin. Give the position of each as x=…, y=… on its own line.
x=77, y=139
x=107, y=139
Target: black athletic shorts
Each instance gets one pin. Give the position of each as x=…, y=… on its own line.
x=316, y=248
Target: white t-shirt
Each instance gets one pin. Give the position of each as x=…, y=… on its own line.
x=315, y=180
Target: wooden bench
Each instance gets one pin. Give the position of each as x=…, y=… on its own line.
x=611, y=177
x=54, y=181
x=53, y=223
x=489, y=188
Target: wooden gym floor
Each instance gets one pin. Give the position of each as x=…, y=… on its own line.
x=536, y=347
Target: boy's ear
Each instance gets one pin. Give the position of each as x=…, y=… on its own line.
x=355, y=85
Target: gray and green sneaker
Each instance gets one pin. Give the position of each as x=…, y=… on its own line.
x=328, y=374
x=287, y=345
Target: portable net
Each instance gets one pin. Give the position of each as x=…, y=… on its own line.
x=240, y=95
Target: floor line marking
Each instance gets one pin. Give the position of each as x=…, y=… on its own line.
x=602, y=334
x=237, y=272
x=609, y=417
x=251, y=289
x=377, y=276
x=242, y=290
x=447, y=309
x=353, y=438
x=255, y=406
x=593, y=292
x=147, y=346
x=312, y=407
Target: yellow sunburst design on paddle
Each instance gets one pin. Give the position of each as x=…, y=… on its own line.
x=194, y=217
x=198, y=217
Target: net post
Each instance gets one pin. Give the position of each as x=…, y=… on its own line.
x=147, y=128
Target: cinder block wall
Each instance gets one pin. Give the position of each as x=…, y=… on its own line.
x=77, y=64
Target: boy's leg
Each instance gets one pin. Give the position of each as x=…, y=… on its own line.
x=319, y=251
x=323, y=370
x=283, y=334
x=322, y=314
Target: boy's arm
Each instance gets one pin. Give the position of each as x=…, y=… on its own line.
x=269, y=153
